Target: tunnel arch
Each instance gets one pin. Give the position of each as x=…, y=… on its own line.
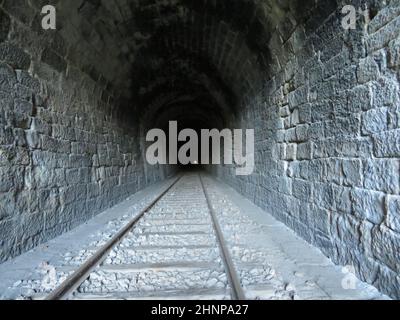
x=324, y=103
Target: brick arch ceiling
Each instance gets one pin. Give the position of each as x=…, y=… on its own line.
x=214, y=48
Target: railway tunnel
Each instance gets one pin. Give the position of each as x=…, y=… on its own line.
x=320, y=90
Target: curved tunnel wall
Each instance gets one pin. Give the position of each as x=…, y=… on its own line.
x=76, y=104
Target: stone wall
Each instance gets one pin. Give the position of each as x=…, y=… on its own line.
x=328, y=128
x=76, y=103
x=68, y=148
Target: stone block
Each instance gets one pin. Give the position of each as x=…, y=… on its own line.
x=315, y=170
x=7, y=205
x=375, y=120
x=11, y=178
x=324, y=195
x=41, y=126
x=316, y=131
x=384, y=35
x=79, y=161
x=332, y=170
x=33, y=224
x=76, y=176
x=394, y=117
x=297, y=97
x=302, y=190
x=387, y=144
x=324, y=149
x=320, y=219
x=383, y=17
x=291, y=151
x=48, y=200
x=384, y=92
x=393, y=212
x=22, y=106
x=394, y=53
x=302, y=132
x=294, y=117
x=284, y=185
x=322, y=111
x=381, y=175
x=93, y=190
x=55, y=145
x=388, y=281
x=368, y=70
x=352, y=173
x=385, y=247
x=32, y=139
x=354, y=147
x=7, y=230
x=305, y=113
x=360, y=98
x=45, y=177
x=6, y=136
x=343, y=126
x=69, y=195
x=23, y=93
x=20, y=138
x=304, y=151
x=348, y=231
x=25, y=79
x=342, y=199
x=14, y=56
x=368, y=205
x=7, y=81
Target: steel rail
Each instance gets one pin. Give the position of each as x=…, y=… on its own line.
x=233, y=278
x=65, y=289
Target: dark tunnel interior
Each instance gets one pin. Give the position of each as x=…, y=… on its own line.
x=323, y=101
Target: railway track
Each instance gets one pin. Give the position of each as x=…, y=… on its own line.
x=189, y=242
x=174, y=249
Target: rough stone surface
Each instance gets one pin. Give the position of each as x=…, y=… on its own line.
x=65, y=153
x=345, y=87
x=324, y=103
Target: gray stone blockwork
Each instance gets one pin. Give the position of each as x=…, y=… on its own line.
x=67, y=151
x=328, y=161
x=324, y=103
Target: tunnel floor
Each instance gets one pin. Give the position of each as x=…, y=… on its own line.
x=172, y=253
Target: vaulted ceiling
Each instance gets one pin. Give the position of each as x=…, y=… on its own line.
x=159, y=53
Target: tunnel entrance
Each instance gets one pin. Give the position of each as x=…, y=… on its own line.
x=322, y=96
x=204, y=147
